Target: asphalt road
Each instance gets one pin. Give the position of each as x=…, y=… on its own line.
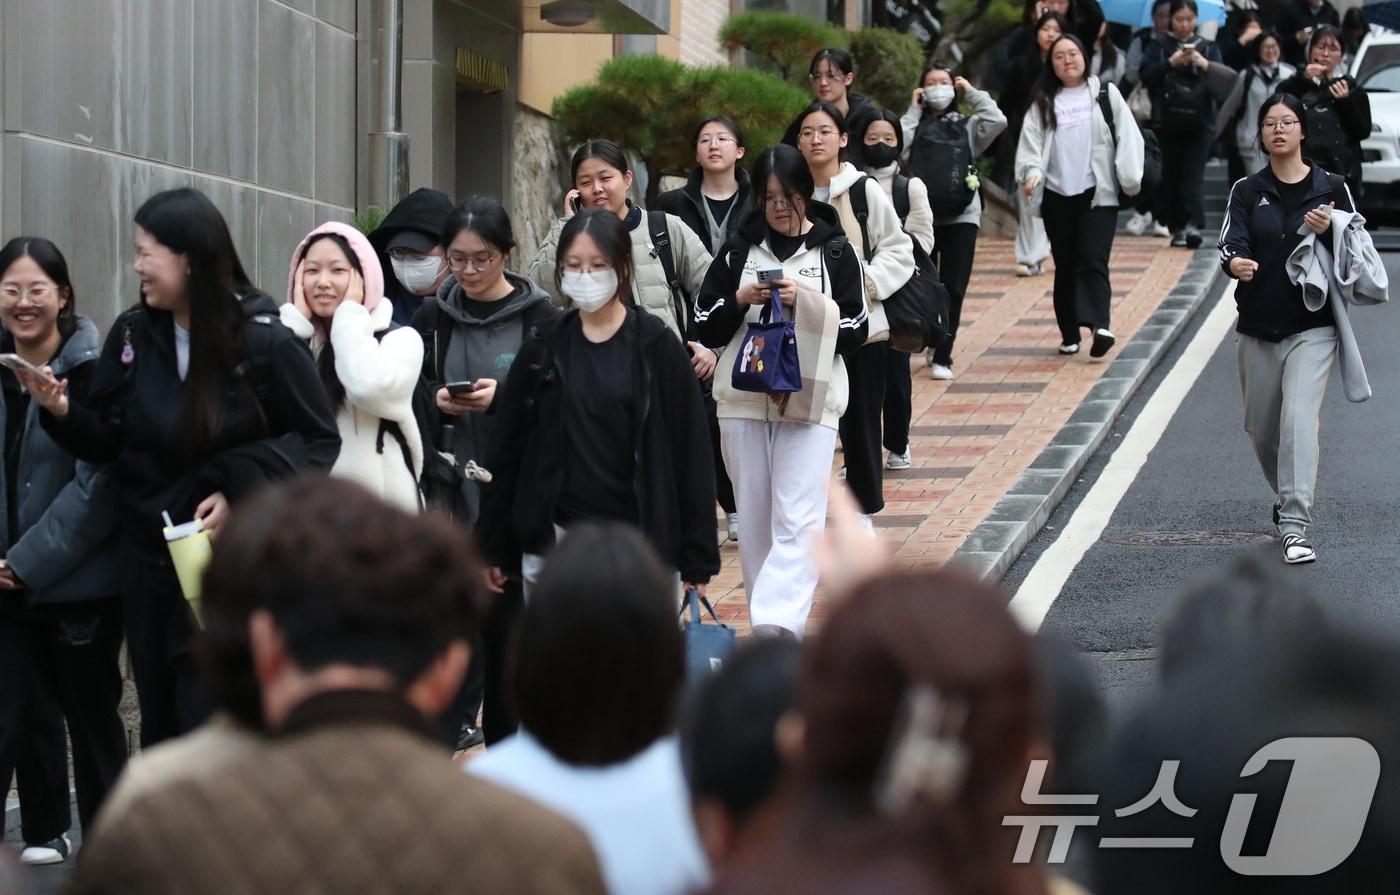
x=1202, y=477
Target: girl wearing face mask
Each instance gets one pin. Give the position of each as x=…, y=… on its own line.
x=780, y=447
x=407, y=245
x=1068, y=157
x=600, y=419
x=601, y=179
x=200, y=397
x=1337, y=108
x=1256, y=83
x=934, y=107
x=888, y=252
x=60, y=612
x=884, y=144
x=335, y=301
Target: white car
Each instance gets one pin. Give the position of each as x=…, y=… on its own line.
x=1377, y=69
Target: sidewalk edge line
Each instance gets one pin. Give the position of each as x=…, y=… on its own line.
x=1021, y=513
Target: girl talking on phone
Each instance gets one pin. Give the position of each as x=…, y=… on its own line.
x=600, y=419
x=369, y=366
x=200, y=397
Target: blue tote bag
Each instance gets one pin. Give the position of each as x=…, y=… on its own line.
x=767, y=358
x=706, y=646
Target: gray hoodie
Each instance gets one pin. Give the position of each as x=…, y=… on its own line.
x=462, y=347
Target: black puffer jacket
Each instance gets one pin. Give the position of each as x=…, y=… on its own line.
x=277, y=420
x=686, y=204
x=675, y=477
x=1335, y=127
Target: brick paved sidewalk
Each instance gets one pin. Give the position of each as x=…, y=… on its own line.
x=971, y=438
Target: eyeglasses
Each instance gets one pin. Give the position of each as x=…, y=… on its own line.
x=39, y=292
x=810, y=135
x=776, y=203
x=824, y=77
x=459, y=263
x=403, y=254
x=1282, y=125
x=717, y=139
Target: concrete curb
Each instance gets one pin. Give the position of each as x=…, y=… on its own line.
x=1023, y=511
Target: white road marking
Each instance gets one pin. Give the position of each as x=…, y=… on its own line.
x=1047, y=577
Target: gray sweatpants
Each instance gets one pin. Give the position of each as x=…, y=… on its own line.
x=1283, y=384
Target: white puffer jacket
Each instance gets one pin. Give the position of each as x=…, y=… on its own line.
x=379, y=375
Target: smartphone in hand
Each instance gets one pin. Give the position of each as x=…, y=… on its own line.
x=457, y=389
x=769, y=274
x=15, y=362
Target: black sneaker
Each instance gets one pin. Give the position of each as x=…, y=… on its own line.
x=470, y=737
x=1103, y=340
x=1179, y=240
x=1193, y=238
x=55, y=851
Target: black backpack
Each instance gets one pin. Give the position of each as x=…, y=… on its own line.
x=661, y=242
x=917, y=311
x=1151, y=158
x=941, y=156
x=1181, y=104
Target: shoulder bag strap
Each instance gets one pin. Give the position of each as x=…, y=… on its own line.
x=861, y=207
x=661, y=243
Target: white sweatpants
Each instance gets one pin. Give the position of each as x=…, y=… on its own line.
x=1032, y=244
x=780, y=473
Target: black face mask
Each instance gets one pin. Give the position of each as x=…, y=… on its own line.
x=880, y=154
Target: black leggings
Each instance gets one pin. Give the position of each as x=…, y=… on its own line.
x=954, y=246
x=1181, y=202
x=860, y=425
x=1081, y=238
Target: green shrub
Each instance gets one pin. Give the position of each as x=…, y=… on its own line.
x=368, y=221
x=888, y=65
x=786, y=41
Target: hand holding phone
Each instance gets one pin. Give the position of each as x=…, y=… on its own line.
x=458, y=389
x=17, y=363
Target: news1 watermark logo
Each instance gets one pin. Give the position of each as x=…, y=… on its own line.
x=1320, y=821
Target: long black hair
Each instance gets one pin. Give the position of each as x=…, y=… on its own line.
x=610, y=234
x=186, y=222
x=1050, y=83
x=325, y=360
x=790, y=168
x=1055, y=17
x=51, y=261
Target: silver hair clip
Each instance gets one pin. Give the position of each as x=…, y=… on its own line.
x=927, y=760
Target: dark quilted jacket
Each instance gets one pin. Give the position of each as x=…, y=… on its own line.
x=348, y=807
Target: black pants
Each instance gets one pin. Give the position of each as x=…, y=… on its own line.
x=1081, y=238
x=55, y=663
x=724, y=489
x=160, y=631
x=953, y=248
x=899, y=397
x=1181, y=202
x=860, y=425
x=484, y=688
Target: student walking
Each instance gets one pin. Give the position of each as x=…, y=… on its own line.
x=1284, y=349
x=1174, y=68
x=938, y=135
x=1032, y=246
x=600, y=419
x=406, y=242
x=883, y=141
x=200, y=396
x=780, y=446
x=1336, y=110
x=1067, y=150
x=60, y=607
x=714, y=201
x=831, y=72
x=472, y=332
x=369, y=366
x=868, y=219
x=1239, y=115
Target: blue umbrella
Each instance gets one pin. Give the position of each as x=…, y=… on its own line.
x=1138, y=13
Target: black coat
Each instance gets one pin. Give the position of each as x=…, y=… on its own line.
x=685, y=203
x=1298, y=17
x=276, y=417
x=1256, y=227
x=425, y=211
x=674, y=471
x=1352, y=117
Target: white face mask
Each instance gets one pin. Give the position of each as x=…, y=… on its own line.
x=938, y=97
x=589, y=291
x=418, y=275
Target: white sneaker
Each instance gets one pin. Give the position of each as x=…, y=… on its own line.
x=55, y=851
x=1023, y=270
x=1160, y=230
x=1070, y=348
x=939, y=371
x=867, y=522
x=898, y=461
x=733, y=522
x=1138, y=223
